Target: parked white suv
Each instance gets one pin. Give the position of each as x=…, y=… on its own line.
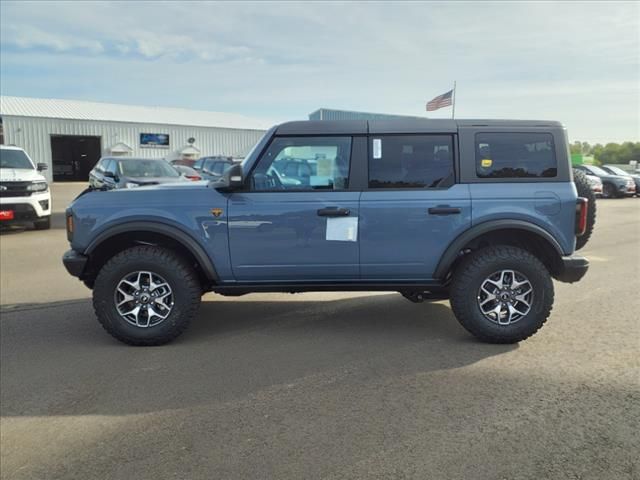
x=24, y=192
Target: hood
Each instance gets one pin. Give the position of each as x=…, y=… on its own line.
x=614, y=178
x=169, y=184
x=20, y=175
x=150, y=197
x=155, y=180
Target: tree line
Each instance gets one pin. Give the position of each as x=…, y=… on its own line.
x=620, y=153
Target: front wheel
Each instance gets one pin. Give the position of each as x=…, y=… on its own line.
x=608, y=191
x=146, y=295
x=501, y=294
x=42, y=224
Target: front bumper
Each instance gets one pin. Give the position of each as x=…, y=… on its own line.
x=74, y=262
x=627, y=189
x=572, y=269
x=27, y=209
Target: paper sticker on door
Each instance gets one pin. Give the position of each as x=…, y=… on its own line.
x=342, y=229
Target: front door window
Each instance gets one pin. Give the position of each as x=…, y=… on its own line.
x=303, y=163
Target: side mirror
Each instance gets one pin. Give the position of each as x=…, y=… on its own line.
x=42, y=167
x=231, y=180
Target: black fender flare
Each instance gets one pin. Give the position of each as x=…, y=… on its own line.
x=174, y=233
x=453, y=250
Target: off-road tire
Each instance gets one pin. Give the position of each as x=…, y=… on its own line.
x=584, y=190
x=43, y=224
x=479, y=265
x=174, y=269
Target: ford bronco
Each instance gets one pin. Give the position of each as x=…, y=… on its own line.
x=482, y=212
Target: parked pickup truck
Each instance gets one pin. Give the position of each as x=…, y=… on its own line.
x=482, y=212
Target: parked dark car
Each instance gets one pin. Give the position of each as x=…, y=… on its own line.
x=212, y=168
x=612, y=185
x=616, y=170
x=187, y=172
x=116, y=172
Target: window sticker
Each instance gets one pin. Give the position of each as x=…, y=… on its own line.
x=377, y=148
x=486, y=162
x=342, y=229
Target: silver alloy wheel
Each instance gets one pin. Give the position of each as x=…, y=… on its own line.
x=505, y=297
x=143, y=299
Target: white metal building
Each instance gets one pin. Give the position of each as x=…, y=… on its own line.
x=70, y=136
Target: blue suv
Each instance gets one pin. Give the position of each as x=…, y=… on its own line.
x=485, y=213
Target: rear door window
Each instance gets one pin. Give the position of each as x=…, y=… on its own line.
x=515, y=155
x=411, y=161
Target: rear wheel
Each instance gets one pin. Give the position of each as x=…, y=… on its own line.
x=501, y=294
x=584, y=190
x=146, y=295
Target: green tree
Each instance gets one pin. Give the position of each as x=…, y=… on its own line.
x=617, y=153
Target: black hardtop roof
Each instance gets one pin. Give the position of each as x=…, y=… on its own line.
x=408, y=125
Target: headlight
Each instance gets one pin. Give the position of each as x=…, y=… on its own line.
x=131, y=185
x=37, y=187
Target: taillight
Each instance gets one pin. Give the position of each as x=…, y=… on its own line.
x=69, y=226
x=582, y=206
x=195, y=178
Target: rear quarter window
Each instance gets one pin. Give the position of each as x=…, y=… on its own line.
x=515, y=155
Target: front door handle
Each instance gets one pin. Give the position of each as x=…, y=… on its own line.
x=333, y=212
x=444, y=210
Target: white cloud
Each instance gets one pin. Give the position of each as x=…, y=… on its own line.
x=30, y=37
x=576, y=62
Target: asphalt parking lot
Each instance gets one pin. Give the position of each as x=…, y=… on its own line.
x=320, y=385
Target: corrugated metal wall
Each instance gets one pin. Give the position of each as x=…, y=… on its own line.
x=328, y=114
x=34, y=135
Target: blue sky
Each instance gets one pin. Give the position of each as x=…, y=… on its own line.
x=578, y=62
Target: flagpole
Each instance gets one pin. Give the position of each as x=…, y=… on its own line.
x=453, y=109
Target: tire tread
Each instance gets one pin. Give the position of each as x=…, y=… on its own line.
x=157, y=255
x=463, y=279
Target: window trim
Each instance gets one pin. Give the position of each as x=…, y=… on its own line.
x=537, y=178
x=455, y=162
x=247, y=184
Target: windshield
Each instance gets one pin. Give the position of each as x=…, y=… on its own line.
x=146, y=168
x=14, y=159
x=617, y=170
x=597, y=170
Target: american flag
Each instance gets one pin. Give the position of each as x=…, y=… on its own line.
x=440, y=101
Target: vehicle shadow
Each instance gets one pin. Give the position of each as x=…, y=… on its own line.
x=233, y=349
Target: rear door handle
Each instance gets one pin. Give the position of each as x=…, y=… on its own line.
x=444, y=210
x=333, y=212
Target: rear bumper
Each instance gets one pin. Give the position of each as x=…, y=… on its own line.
x=573, y=269
x=74, y=262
